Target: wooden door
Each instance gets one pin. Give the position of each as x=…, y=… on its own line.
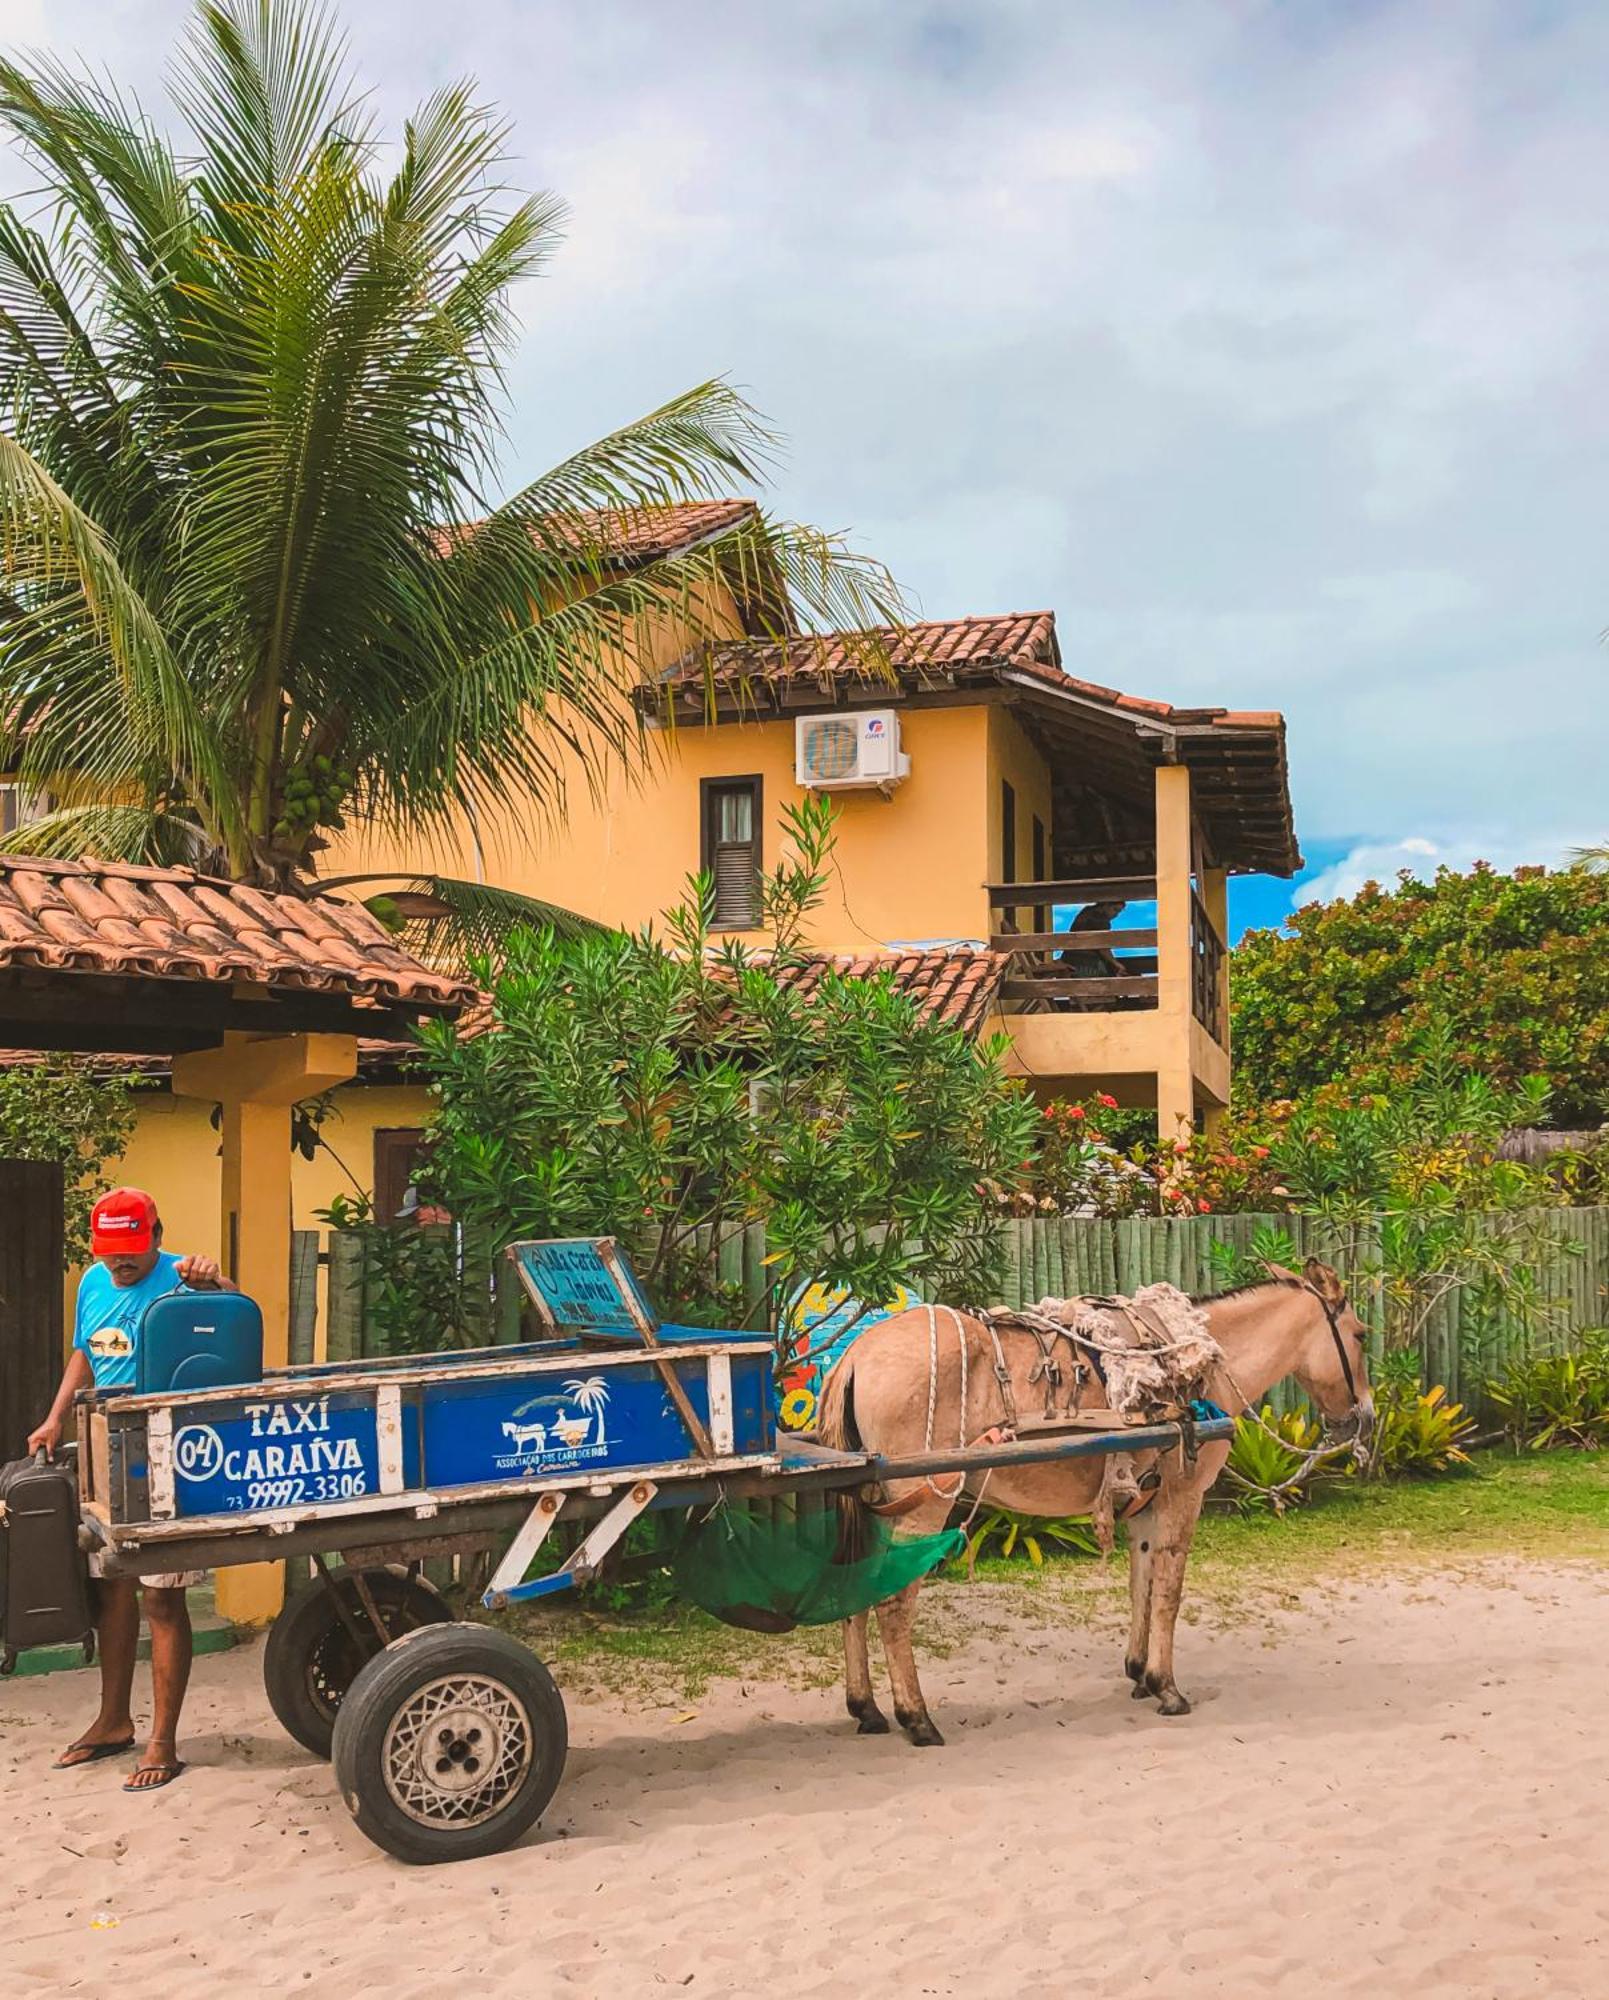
x=31, y=1350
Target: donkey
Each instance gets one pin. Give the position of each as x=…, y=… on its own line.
x=886, y=1396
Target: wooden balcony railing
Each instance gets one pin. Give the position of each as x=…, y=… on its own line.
x=1206, y=971
x=1072, y=970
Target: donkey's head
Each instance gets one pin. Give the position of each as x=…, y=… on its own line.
x=1332, y=1362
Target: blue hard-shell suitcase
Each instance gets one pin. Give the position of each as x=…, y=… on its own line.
x=199, y=1340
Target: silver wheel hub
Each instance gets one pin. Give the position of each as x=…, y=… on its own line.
x=457, y=1750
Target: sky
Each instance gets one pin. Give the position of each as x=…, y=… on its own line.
x=1263, y=341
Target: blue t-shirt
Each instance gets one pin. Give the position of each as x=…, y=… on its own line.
x=107, y=1323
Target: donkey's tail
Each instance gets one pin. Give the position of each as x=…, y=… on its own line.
x=836, y=1427
x=835, y=1413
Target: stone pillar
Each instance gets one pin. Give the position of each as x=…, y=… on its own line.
x=256, y=1079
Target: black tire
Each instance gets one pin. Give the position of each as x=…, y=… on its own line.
x=450, y=1744
x=311, y=1657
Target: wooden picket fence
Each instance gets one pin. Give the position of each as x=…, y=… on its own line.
x=1067, y=1256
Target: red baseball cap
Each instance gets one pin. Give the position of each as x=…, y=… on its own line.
x=121, y=1224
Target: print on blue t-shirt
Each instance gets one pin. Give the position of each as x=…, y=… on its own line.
x=107, y=1325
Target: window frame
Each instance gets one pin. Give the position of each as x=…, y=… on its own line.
x=709, y=790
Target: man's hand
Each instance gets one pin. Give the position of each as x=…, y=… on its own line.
x=46, y=1438
x=201, y=1272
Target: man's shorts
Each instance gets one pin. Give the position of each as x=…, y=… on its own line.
x=174, y=1579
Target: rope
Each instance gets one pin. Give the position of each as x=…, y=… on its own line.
x=1042, y=1322
x=933, y=1312
x=1308, y=1459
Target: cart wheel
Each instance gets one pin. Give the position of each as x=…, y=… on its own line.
x=450, y=1744
x=313, y=1655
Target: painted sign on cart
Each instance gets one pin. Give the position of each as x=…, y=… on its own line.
x=289, y=1452
x=619, y=1415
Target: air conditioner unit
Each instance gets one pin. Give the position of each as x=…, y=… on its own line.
x=851, y=752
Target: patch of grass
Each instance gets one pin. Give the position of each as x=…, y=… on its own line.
x=1556, y=1505
x=1540, y=1506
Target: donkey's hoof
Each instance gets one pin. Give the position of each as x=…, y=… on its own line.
x=1135, y=1669
x=1172, y=1703
x=870, y=1720
x=923, y=1731
x=1139, y=1691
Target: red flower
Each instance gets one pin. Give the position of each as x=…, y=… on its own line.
x=1204, y=1207
x=1075, y=1110
x=1102, y=1098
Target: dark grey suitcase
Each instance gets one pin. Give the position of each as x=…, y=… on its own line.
x=44, y=1578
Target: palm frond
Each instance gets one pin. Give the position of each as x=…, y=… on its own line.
x=252, y=386
x=450, y=922
x=140, y=834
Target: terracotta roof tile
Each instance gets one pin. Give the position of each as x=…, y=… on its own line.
x=639, y=534
x=951, y=982
x=926, y=652
x=155, y=923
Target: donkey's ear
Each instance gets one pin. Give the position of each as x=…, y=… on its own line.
x=1280, y=1272
x=1324, y=1282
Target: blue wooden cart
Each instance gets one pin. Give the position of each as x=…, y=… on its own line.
x=449, y=1738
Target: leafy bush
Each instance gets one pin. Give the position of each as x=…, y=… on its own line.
x=1264, y=1470
x=659, y=1090
x=1515, y=966
x=81, y=1117
x=1006, y=1534
x=414, y=1294
x=1418, y=1431
x=1558, y=1399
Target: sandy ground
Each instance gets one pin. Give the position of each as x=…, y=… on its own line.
x=1398, y=1787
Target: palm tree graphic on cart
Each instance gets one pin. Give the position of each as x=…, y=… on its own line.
x=589, y=1395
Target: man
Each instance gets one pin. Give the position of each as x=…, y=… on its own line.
x=131, y=1269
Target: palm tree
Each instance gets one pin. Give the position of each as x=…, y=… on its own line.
x=254, y=576
x=590, y=1395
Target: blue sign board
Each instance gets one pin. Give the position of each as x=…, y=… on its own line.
x=290, y=1451
x=478, y=1432
x=584, y=1281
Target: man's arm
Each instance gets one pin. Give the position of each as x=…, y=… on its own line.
x=203, y=1275
x=75, y=1376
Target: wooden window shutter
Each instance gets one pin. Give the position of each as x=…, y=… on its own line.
x=732, y=851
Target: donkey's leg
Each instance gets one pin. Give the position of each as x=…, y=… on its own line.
x=1141, y=1529
x=896, y=1620
x=858, y=1696
x=1178, y=1508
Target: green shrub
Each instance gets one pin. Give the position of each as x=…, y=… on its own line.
x=1266, y=1454
x=1418, y=1431
x=1558, y=1399
x=1517, y=966
x=1006, y=1534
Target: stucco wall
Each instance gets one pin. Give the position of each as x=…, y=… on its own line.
x=908, y=866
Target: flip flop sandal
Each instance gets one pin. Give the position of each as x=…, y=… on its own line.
x=92, y=1754
x=172, y=1770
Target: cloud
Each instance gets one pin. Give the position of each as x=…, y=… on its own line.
x=1262, y=343
x=1381, y=861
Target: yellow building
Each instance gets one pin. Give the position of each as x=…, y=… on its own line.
x=996, y=816
x=1012, y=801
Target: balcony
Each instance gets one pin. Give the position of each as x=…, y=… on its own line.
x=1085, y=967
x=1140, y=1012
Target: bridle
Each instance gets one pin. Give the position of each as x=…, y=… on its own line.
x=1332, y=1316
